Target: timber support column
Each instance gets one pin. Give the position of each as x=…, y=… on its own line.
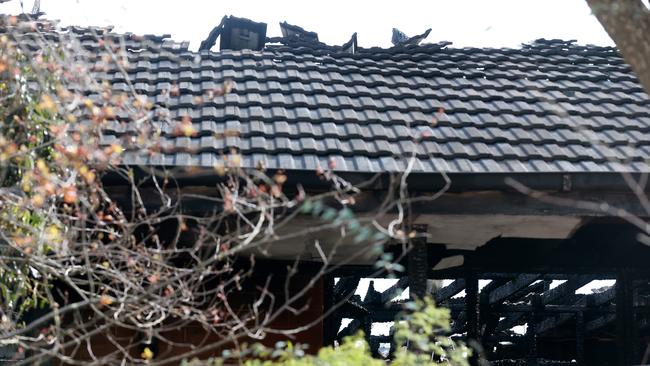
x=329, y=322
x=625, y=339
x=472, y=306
x=418, y=263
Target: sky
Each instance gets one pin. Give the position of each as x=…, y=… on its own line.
x=480, y=23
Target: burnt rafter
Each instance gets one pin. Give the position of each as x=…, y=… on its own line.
x=294, y=31
x=394, y=291
x=551, y=296
x=560, y=325
x=511, y=288
x=488, y=314
x=582, y=301
x=447, y=292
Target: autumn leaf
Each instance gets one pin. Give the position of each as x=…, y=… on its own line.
x=146, y=354
x=70, y=195
x=220, y=169
x=105, y=300
x=47, y=104
x=38, y=200
x=185, y=128
x=52, y=234
x=153, y=278
x=280, y=178
x=174, y=91
x=116, y=149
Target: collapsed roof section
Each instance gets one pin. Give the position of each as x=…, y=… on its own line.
x=240, y=34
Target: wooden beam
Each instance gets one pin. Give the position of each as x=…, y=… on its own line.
x=449, y=291
x=395, y=290
x=580, y=338
x=331, y=323
x=467, y=203
x=418, y=263
x=549, y=297
x=550, y=323
x=502, y=293
x=531, y=331
x=472, y=306
x=624, y=319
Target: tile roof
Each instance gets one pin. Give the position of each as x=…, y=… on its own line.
x=549, y=106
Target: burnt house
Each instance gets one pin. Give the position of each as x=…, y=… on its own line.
x=497, y=130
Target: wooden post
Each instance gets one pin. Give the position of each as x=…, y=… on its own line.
x=580, y=338
x=418, y=264
x=472, y=306
x=330, y=325
x=624, y=319
x=531, y=330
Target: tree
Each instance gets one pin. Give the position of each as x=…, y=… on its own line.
x=78, y=265
x=628, y=24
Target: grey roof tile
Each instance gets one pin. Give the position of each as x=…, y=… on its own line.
x=505, y=110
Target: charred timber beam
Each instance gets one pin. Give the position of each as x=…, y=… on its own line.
x=489, y=317
x=523, y=309
x=504, y=292
x=331, y=322
x=345, y=287
x=350, y=329
x=603, y=298
x=551, y=296
x=596, y=271
x=531, y=331
x=395, y=290
x=372, y=296
x=418, y=264
x=599, y=322
x=472, y=306
x=459, y=323
x=523, y=295
x=580, y=338
x=449, y=291
x=625, y=339
x=488, y=202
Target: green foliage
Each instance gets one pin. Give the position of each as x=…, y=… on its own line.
x=28, y=109
x=420, y=333
x=23, y=130
x=423, y=331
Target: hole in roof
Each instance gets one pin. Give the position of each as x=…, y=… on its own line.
x=519, y=329
x=595, y=286
x=384, y=349
x=380, y=328
x=556, y=283
x=459, y=295
x=483, y=283
x=344, y=323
